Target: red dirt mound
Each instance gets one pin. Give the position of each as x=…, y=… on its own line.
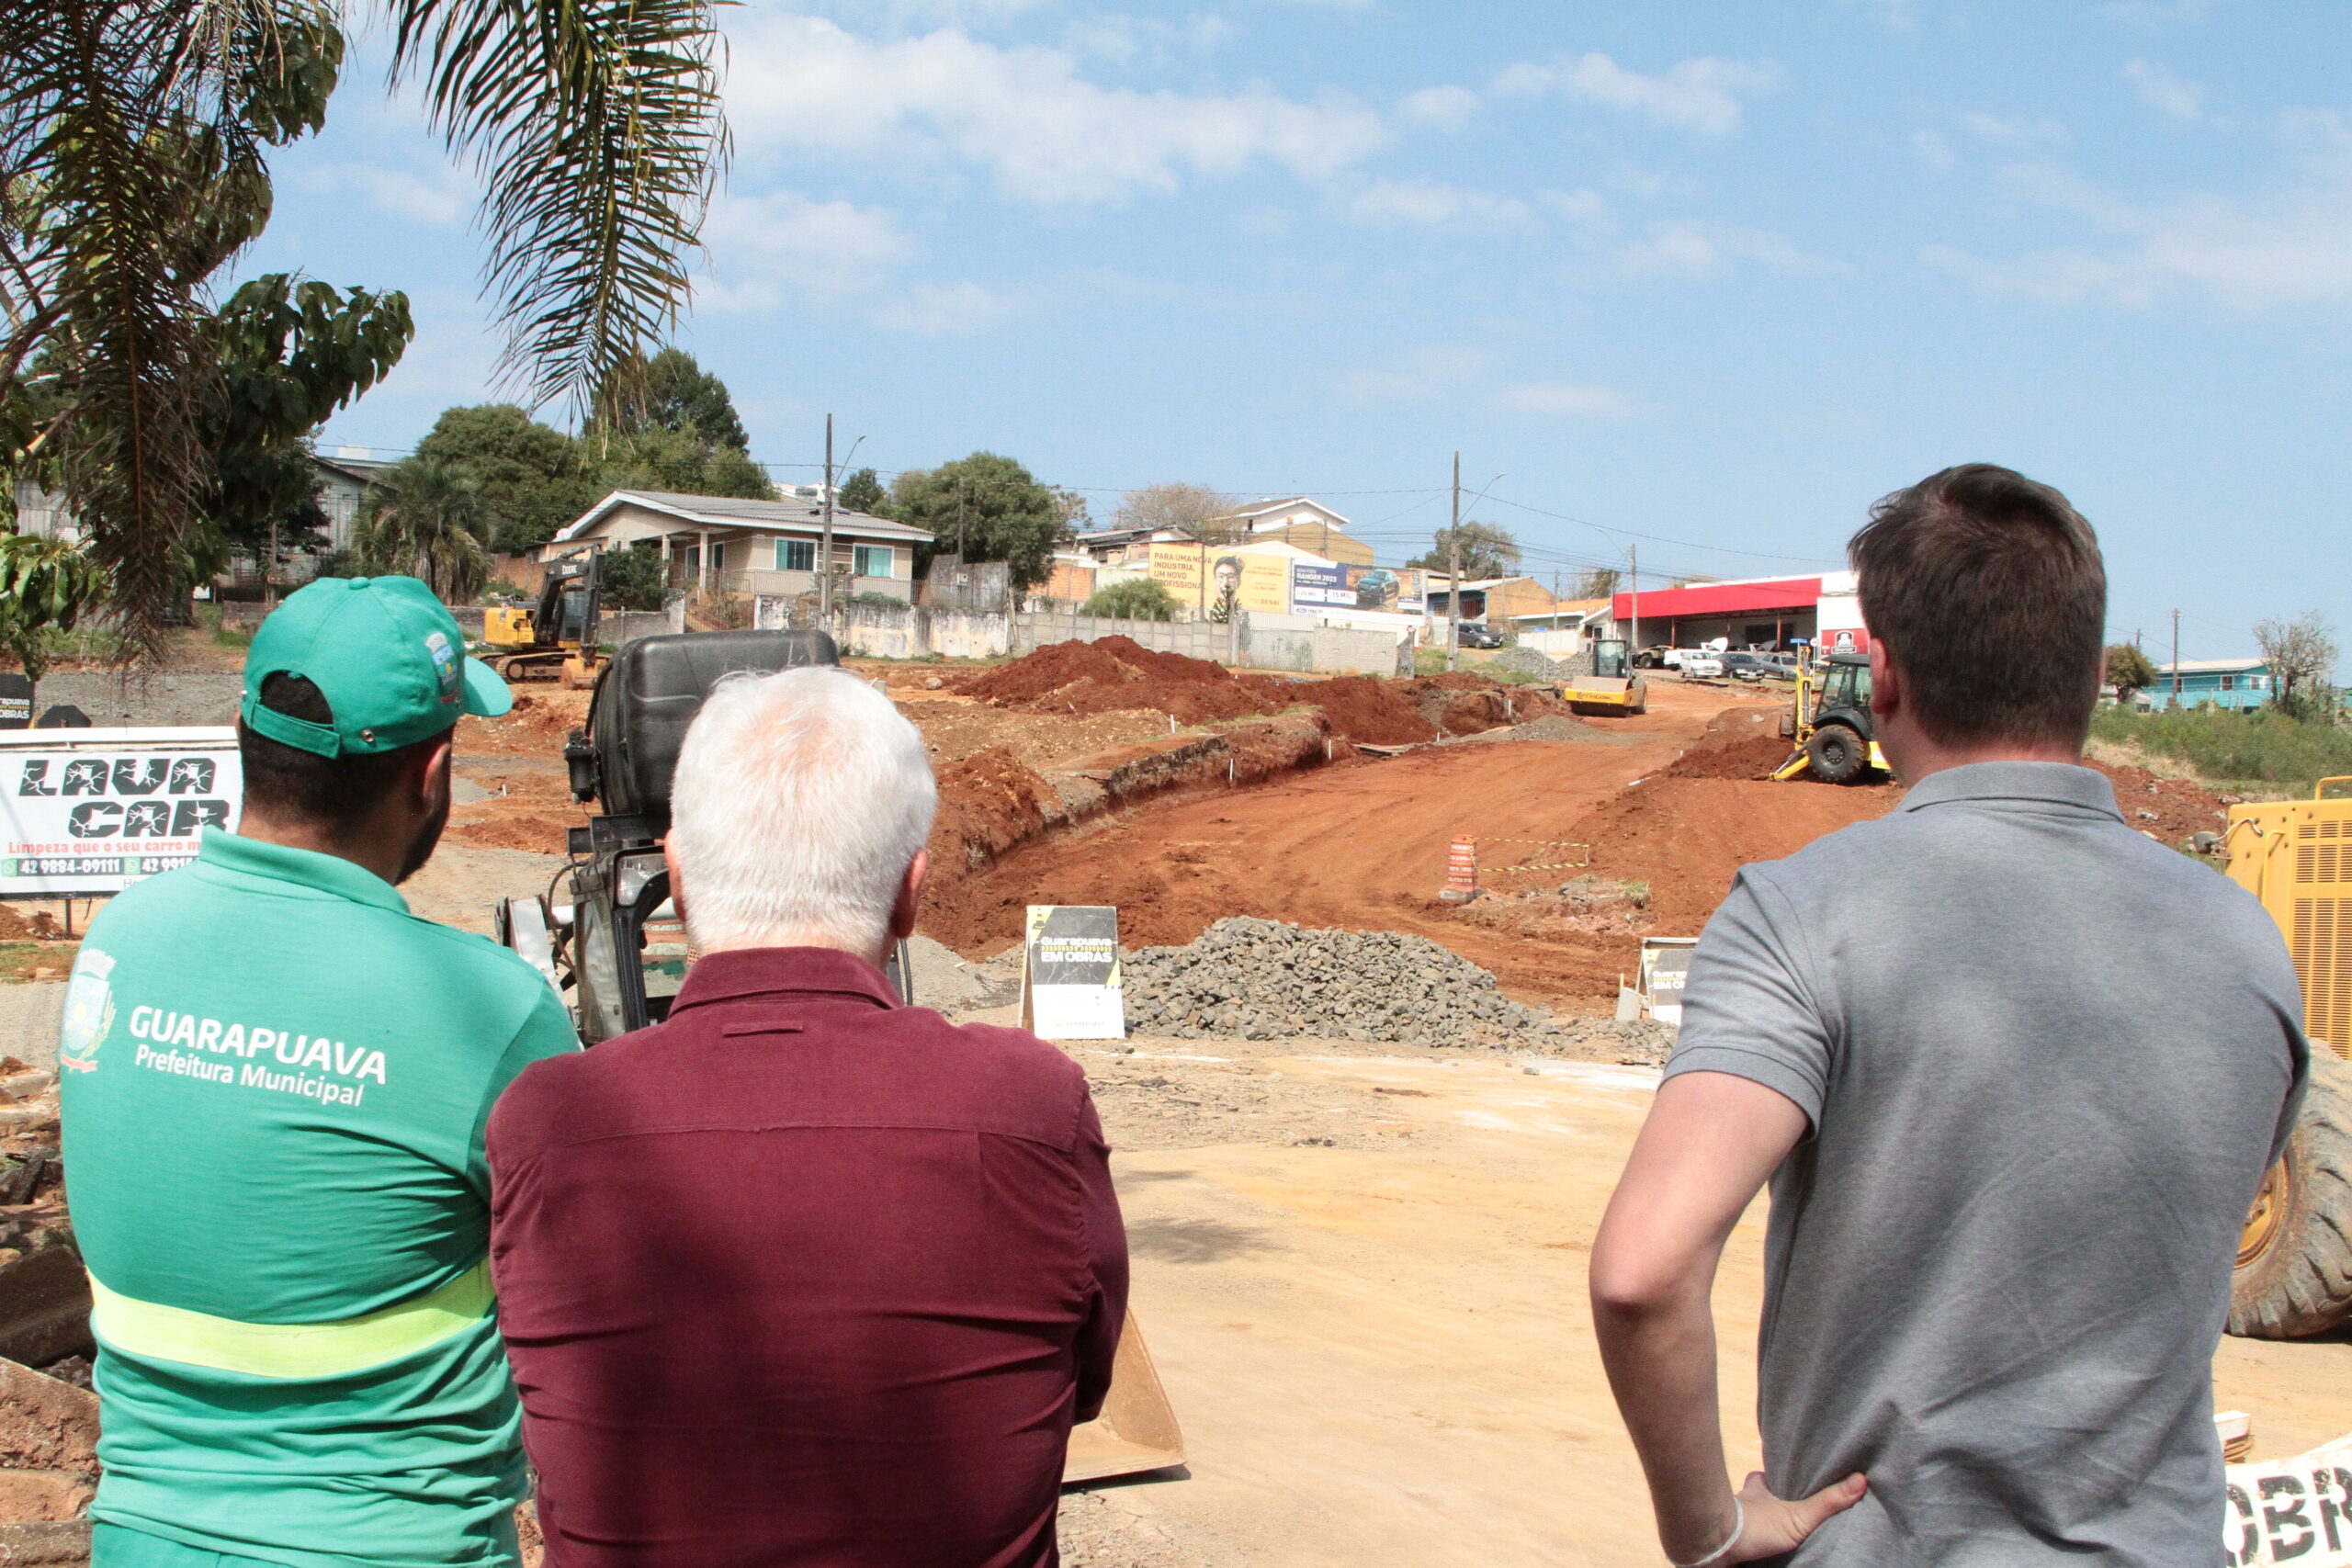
x=1749, y=757
x=1370, y=712
x=1119, y=672
x=988, y=802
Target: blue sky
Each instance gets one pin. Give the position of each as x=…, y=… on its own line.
x=1717, y=274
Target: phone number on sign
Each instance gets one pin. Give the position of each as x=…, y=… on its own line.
x=92, y=865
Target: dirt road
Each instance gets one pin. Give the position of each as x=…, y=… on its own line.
x=1380, y=1350
x=1363, y=846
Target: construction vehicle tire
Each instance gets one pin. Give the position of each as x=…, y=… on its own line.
x=2294, y=1272
x=1837, y=754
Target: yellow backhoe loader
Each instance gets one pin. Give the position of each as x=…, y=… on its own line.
x=2294, y=1271
x=1829, y=720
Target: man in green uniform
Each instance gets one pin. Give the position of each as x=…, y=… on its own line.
x=274, y=1084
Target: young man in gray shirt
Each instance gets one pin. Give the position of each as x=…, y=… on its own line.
x=2014, y=1072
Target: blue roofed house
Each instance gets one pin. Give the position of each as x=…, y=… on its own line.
x=2225, y=682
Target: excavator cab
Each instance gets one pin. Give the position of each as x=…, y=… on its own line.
x=558, y=640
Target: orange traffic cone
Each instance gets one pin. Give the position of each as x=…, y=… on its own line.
x=1461, y=871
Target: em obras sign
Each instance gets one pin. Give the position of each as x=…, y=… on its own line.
x=85, y=812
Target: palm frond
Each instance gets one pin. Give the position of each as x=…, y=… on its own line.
x=596, y=127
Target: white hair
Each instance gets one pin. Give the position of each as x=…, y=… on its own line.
x=801, y=799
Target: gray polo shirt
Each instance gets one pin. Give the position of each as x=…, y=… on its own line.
x=2046, y=1061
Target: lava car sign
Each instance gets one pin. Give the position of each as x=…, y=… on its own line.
x=85, y=812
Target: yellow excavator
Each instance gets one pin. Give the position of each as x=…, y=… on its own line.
x=2294, y=1268
x=558, y=640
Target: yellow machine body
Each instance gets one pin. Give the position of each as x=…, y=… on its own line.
x=2296, y=856
x=508, y=629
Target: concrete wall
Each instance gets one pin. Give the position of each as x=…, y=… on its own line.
x=1320, y=650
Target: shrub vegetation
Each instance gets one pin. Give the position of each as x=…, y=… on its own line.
x=2265, y=745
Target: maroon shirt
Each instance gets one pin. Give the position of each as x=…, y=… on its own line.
x=804, y=1276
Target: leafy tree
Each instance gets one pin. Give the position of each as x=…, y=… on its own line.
x=131, y=168
x=1487, y=551
x=1600, y=582
x=45, y=584
x=2301, y=654
x=678, y=461
x=671, y=392
x=635, y=578
x=2130, y=671
x=1190, y=511
x=529, y=479
x=985, y=507
x=1136, y=599
x=862, y=492
x=291, y=352
x=421, y=519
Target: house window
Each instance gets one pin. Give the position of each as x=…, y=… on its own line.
x=692, y=556
x=871, y=560
x=2229, y=682
x=717, y=558
x=795, y=554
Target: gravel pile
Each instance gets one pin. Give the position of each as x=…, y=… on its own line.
x=1255, y=979
x=1523, y=660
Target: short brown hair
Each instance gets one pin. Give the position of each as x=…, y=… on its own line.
x=1988, y=590
x=290, y=784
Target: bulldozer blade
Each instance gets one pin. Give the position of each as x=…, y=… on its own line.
x=1137, y=1431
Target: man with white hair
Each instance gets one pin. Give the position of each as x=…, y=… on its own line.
x=802, y=1275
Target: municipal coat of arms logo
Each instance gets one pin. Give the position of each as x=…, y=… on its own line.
x=445, y=664
x=89, y=1011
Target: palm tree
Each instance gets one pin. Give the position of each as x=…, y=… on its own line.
x=423, y=517
x=133, y=136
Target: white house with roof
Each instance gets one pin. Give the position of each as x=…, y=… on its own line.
x=764, y=548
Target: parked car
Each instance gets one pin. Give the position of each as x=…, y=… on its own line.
x=1742, y=666
x=1697, y=666
x=1475, y=635
x=1655, y=657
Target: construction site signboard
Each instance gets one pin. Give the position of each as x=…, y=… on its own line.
x=1069, y=972
x=88, y=812
x=1201, y=578
x=1343, y=585
x=2291, y=1510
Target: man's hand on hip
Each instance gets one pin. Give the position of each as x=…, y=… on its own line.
x=1774, y=1525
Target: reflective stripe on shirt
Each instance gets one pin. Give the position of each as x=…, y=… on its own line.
x=292, y=1349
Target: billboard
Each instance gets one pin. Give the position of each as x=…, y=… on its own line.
x=93, y=814
x=1316, y=586
x=1198, y=577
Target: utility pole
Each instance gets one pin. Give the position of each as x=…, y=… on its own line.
x=1634, y=583
x=1453, y=573
x=825, y=552
x=2175, y=658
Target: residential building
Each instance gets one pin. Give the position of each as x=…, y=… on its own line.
x=2237, y=683
x=762, y=548
x=44, y=512
x=1298, y=521
x=344, y=474
x=1497, y=601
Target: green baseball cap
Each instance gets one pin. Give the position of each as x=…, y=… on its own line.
x=387, y=655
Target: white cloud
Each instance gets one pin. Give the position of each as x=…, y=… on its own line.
x=1562, y=401
x=1127, y=40
x=1702, y=96
x=940, y=310
x=801, y=84
x=2166, y=92
x=1934, y=151
x=438, y=200
x=1418, y=373
x=1430, y=203
x=765, y=249
x=2014, y=131
x=1448, y=108
x=2285, y=246
x=1578, y=206
x=1682, y=249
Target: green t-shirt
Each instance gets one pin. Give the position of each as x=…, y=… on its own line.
x=275, y=1083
